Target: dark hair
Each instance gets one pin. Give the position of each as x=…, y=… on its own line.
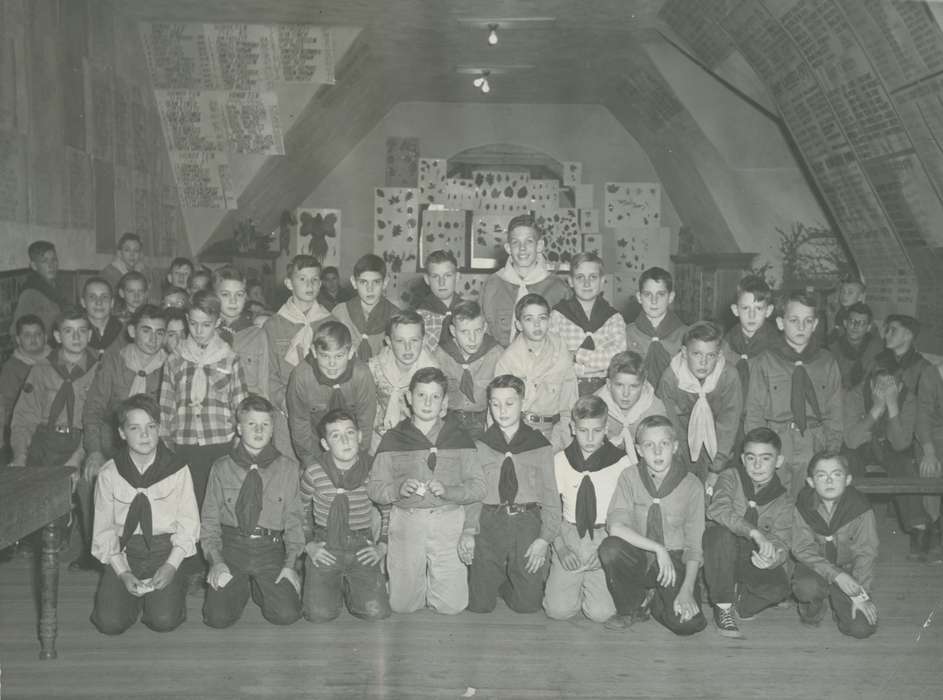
x=198, y=273
x=369, y=263
x=507, y=381
x=335, y=415
x=207, y=302
x=70, y=313
x=763, y=436
x=38, y=249
x=908, y=322
x=331, y=332
x=522, y=220
x=430, y=375
x=173, y=289
x=175, y=314
x=441, y=256
x=254, y=402
x=230, y=273
x=591, y=406
x=800, y=296
x=29, y=320
x=466, y=310
x=822, y=455
x=133, y=276
x=151, y=311
x=652, y=422
x=657, y=274
x=705, y=331
x=859, y=307
x=530, y=300
x=581, y=258
x=181, y=262
x=125, y=237
x=142, y=402
x=626, y=362
x=330, y=270
x=406, y=317
x=97, y=280
x=303, y=262
x=755, y=285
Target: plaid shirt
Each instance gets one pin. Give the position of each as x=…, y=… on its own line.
x=609, y=340
x=433, y=322
x=213, y=421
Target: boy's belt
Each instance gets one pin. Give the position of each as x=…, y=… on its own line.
x=256, y=534
x=511, y=508
x=534, y=418
x=64, y=429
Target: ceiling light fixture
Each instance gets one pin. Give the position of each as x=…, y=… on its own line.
x=481, y=82
x=493, y=35
x=485, y=87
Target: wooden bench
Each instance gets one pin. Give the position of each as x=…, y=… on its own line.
x=899, y=485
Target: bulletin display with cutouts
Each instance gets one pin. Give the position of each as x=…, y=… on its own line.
x=637, y=249
x=502, y=192
x=561, y=236
x=444, y=229
x=489, y=234
x=432, y=178
x=632, y=204
x=395, y=234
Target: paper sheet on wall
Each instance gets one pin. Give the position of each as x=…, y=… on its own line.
x=253, y=123
x=203, y=180
x=544, y=197
x=589, y=221
x=489, y=234
x=432, y=180
x=444, y=229
x=633, y=204
x=502, y=192
x=637, y=249
x=402, y=161
x=583, y=196
x=592, y=243
x=562, y=239
x=318, y=233
x=395, y=235
x=572, y=173
x=470, y=285
x=461, y=194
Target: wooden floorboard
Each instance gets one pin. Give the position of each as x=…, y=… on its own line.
x=501, y=655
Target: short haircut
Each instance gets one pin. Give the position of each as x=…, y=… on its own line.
x=823, y=455
x=335, y=415
x=331, y=335
x=303, y=262
x=207, y=302
x=855, y=281
x=96, y=280
x=763, y=436
x=70, y=313
x=330, y=270
x=524, y=220
x=530, y=300
x=626, y=362
x=581, y=258
x=129, y=237
x=859, y=307
x=254, y=402
x=657, y=274
x=705, y=331
x=37, y=249
x=507, y=381
x=228, y=273
x=755, y=285
x=133, y=276
x=151, y=311
x=652, y=422
x=201, y=272
x=173, y=289
x=441, y=256
x=369, y=263
x=466, y=310
x=908, y=322
x=29, y=320
x=587, y=407
x=430, y=375
x=406, y=317
x=800, y=296
x=138, y=402
x=181, y=262
x=178, y=315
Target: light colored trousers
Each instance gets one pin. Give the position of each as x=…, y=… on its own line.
x=569, y=592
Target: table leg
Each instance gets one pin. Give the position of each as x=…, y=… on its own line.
x=49, y=591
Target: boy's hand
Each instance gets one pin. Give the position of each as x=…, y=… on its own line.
x=132, y=584
x=93, y=465
x=409, y=487
x=666, y=569
x=437, y=488
x=761, y=562
x=848, y=585
x=684, y=606
x=569, y=559
x=710, y=481
x=319, y=554
x=930, y=466
x=466, y=548
x=217, y=571
x=372, y=554
x=536, y=555
x=766, y=548
x=289, y=574
x=163, y=576
x=866, y=608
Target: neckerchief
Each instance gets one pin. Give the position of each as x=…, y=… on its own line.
x=228, y=331
x=769, y=493
x=374, y=324
x=301, y=342
x=572, y=310
x=29, y=360
x=40, y=284
x=101, y=341
x=854, y=374
x=248, y=506
x=122, y=267
x=654, y=524
x=65, y=394
x=851, y=504
x=433, y=304
x=702, y=431
x=537, y=274
x=345, y=481
x=139, y=512
x=451, y=348
x=802, y=391
x=747, y=348
x=607, y=455
x=630, y=418
x=337, y=399
x=215, y=351
x=142, y=365
x=524, y=440
x=657, y=358
x=406, y=437
x=398, y=381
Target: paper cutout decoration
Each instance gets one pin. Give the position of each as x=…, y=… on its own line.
x=461, y=194
x=633, y=204
x=592, y=243
x=470, y=285
x=572, y=173
x=444, y=229
x=402, y=161
x=544, y=196
x=637, y=250
x=432, y=178
x=589, y=221
x=502, y=192
x=395, y=230
x=583, y=196
x=318, y=233
x=562, y=239
x=489, y=234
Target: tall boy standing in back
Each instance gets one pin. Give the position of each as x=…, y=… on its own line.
x=40, y=295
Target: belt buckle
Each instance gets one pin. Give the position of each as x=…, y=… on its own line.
x=62, y=429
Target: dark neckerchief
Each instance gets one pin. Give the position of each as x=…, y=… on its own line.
x=37, y=282
x=524, y=440
x=65, y=395
x=657, y=357
x=572, y=310
x=433, y=304
x=901, y=366
x=746, y=348
x=802, y=390
x=228, y=331
x=769, y=493
x=337, y=399
x=654, y=524
x=406, y=437
x=451, y=348
x=249, y=502
x=139, y=512
x=101, y=341
x=607, y=455
x=374, y=324
x=853, y=375
x=345, y=481
x=851, y=504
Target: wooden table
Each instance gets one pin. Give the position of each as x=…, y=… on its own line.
x=32, y=498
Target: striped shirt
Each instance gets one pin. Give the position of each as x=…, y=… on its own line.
x=318, y=493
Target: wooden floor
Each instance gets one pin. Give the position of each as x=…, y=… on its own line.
x=502, y=655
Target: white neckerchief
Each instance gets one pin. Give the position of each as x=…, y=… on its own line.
x=301, y=341
x=536, y=275
x=399, y=382
x=217, y=349
x=701, y=428
x=139, y=363
x=630, y=418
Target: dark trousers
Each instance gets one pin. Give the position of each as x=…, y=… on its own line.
x=473, y=422
x=499, y=564
x=200, y=459
x=809, y=587
x=254, y=563
x=51, y=449
x=727, y=565
x=630, y=572
x=329, y=586
x=902, y=463
x=116, y=610
x=589, y=385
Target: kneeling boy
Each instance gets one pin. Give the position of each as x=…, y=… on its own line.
x=252, y=525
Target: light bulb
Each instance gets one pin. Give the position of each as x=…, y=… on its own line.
x=493, y=36
x=478, y=81
x=485, y=88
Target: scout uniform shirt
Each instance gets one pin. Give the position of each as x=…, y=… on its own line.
x=621, y=425
x=366, y=334
x=855, y=361
x=499, y=297
x=251, y=345
x=468, y=376
x=591, y=341
x=547, y=373
x=656, y=345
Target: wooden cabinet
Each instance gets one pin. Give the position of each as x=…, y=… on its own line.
x=706, y=284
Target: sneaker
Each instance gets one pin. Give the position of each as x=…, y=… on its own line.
x=726, y=625
x=812, y=614
x=85, y=562
x=620, y=623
